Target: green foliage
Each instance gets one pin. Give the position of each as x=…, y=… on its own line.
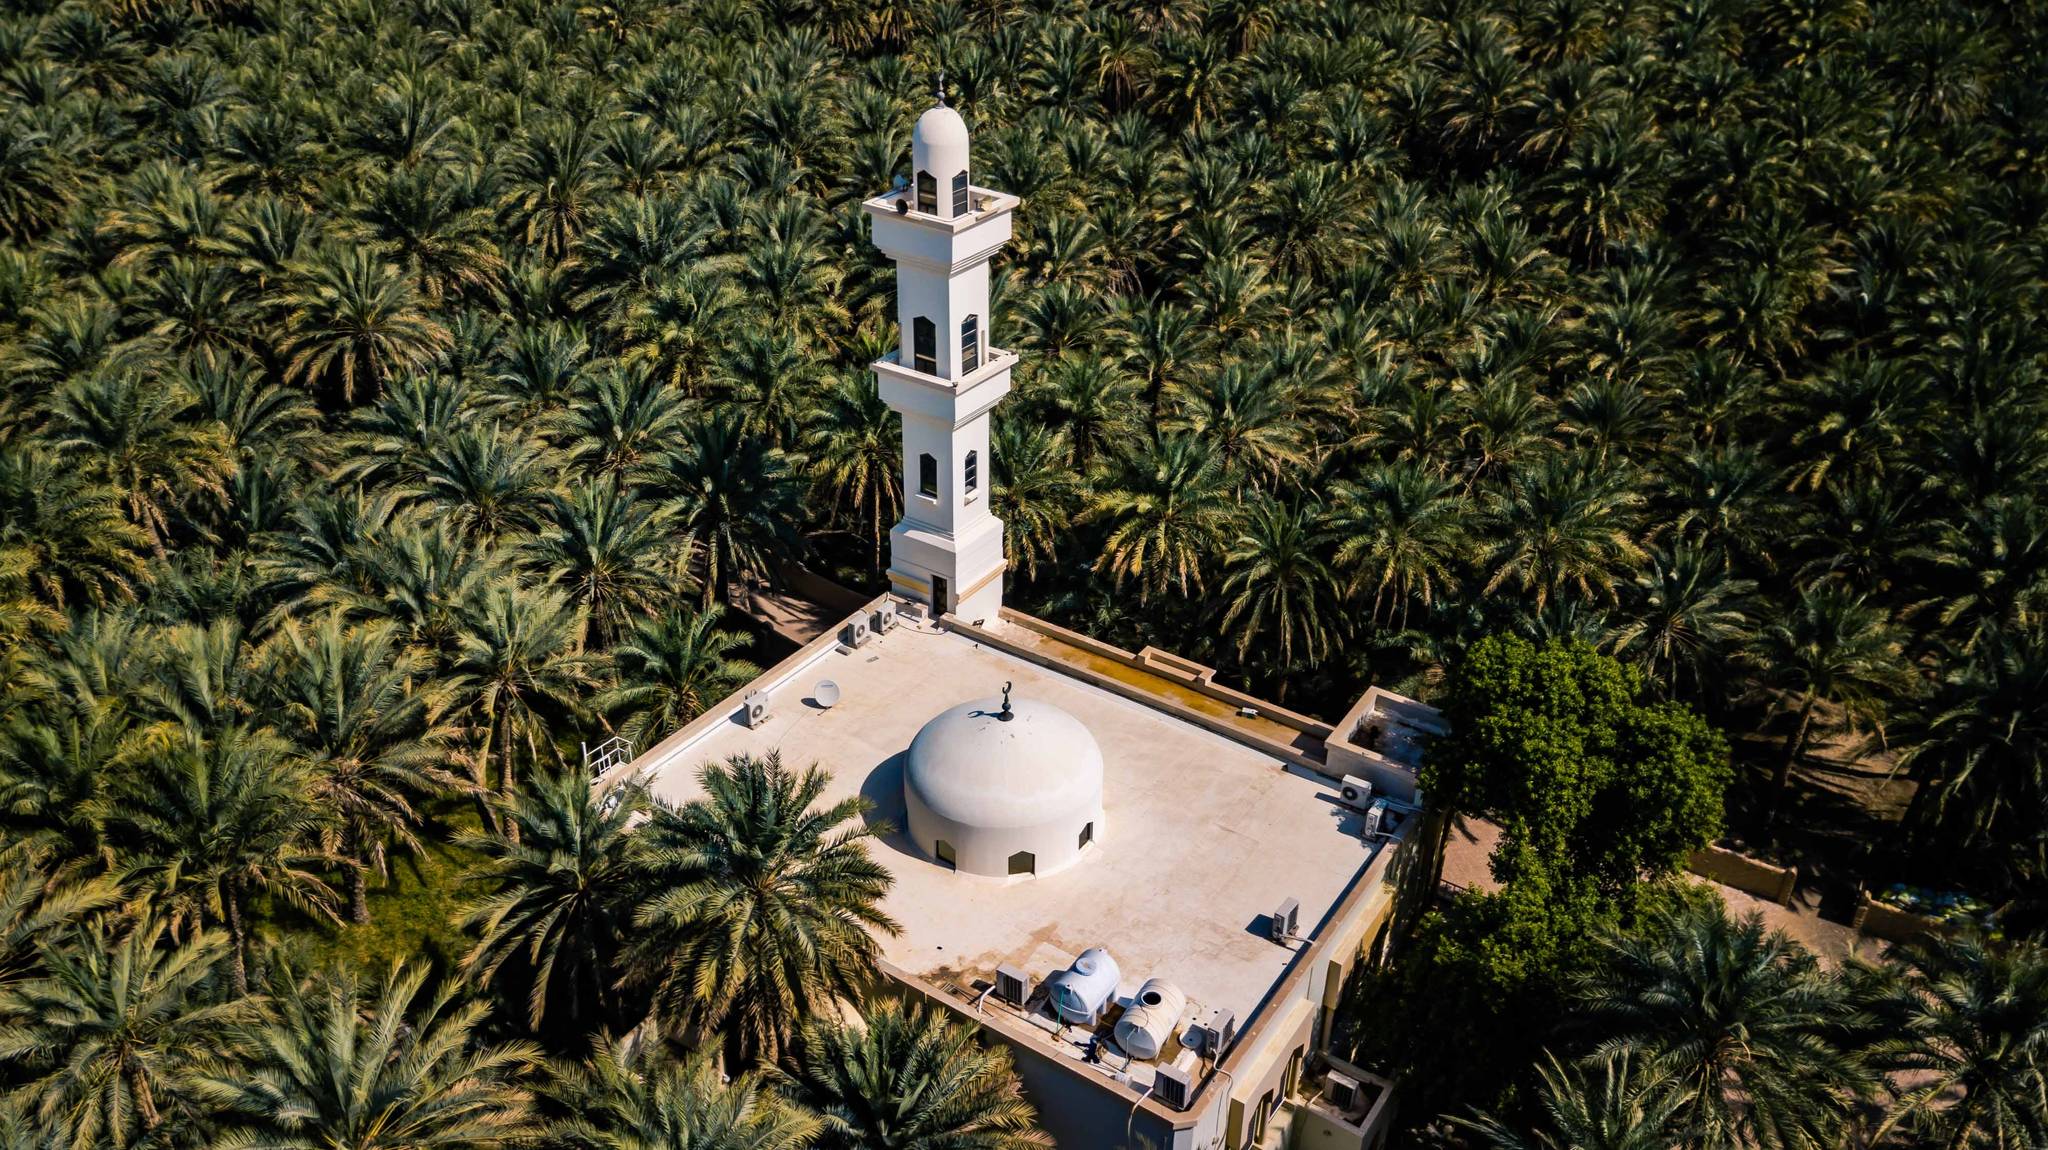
x=910, y=1078
x=1585, y=775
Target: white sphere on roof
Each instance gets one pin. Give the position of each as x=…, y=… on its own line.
x=998, y=794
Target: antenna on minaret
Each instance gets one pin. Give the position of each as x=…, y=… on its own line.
x=940, y=91
x=1006, y=712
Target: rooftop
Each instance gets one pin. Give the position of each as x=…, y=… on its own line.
x=1202, y=836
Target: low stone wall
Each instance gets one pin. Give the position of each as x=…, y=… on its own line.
x=1745, y=874
x=1176, y=668
x=1882, y=920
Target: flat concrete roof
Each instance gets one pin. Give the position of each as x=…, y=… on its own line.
x=1202, y=837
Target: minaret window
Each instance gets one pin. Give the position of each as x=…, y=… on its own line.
x=960, y=194
x=928, y=476
x=970, y=344
x=973, y=471
x=924, y=346
x=927, y=194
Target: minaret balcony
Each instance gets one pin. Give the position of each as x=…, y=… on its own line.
x=935, y=397
x=939, y=244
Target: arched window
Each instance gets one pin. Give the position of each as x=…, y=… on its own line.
x=943, y=851
x=924, y=346
x=927, y=194
x=1023, y=862
x=970, y=344
x=973, y=471
x=960, y=194
x=928, y=476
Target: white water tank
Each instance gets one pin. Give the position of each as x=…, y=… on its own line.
x=1081, y=991
x=1149, y=1021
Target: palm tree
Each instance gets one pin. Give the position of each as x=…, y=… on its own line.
x=1981, y=760
x=767, y=907
x=217, y=822
x=353, y=703
x=1090, y=401
x=1752, y=1031
x=610, y=551
x=856, y=449
x=72, y=541
x=1612, y=1104
x=356, y=321
x=1034, y=492
x=910, y=1078
x=115, y=1034
x=1564, y=527
x=1689, y=611
x=1282, y=595
x=342, y=1066
x=568, y=876
x=1967, y=1019
x=133, y=435
x=521, y=673
x=1167, y=510
x=42, y=908
x=1404, y=529
x=629, y=1095
x=672, y=669
x=1831, y=647
x=55, y=769
x=735, y=502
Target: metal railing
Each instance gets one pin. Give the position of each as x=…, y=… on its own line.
x=600, y=759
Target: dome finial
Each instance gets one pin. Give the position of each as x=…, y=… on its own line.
x=1006, y=713
x=940, y=90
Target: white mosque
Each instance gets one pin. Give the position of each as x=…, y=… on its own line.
x=1149, y=886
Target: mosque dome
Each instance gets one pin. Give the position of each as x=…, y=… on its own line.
x=1004, y=794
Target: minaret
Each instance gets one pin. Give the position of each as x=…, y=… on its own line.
x=946, y=373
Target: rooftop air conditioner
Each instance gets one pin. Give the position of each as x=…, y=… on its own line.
x=855, y=633
x=1285, y=922
x=1375, y=819
x=756, y=708
x=1172, y=1086
x=1212, y=1032
x=1012, y=985
x=1355, y=793
x=1341, y=1092
x=884, y=620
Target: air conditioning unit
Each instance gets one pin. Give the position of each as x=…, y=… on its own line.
x=1342, y=1093
x=1355, y=793
x=1285, y=922
x=1212, y=1032
x=855, y=633
x=1172, y=1086
x=755, y=710
x=884, y=620
x=1012, y=985
x=1375, y=819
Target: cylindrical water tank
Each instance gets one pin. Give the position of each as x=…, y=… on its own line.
x=1149, y=1021
x=1083, y=989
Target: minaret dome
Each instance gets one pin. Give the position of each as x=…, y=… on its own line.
x=938, y=157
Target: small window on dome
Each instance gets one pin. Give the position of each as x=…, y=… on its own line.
x=927, y=194
x=1087, y=834
x=1023, y=862
x=943, y=851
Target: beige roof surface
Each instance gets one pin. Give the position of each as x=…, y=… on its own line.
x=1202, y=836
